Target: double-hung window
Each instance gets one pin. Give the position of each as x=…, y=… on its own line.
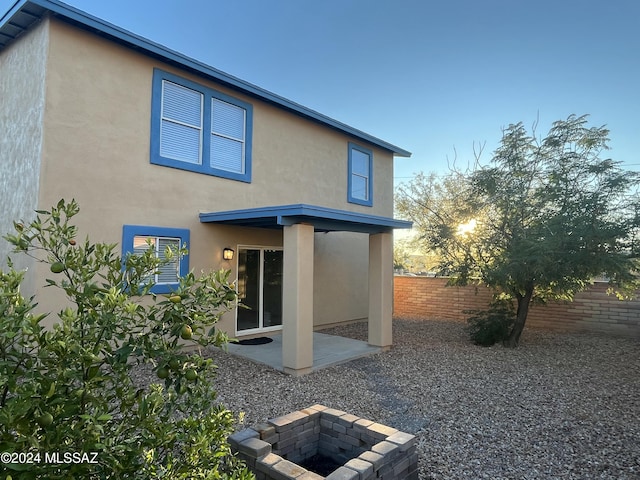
x=199, y=129
x=136, y=240
x=360, y=180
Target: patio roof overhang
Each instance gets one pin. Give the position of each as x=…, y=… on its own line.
x=323, y=219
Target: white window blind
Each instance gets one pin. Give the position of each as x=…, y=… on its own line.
x=227, y=151
x=181, y=126
x=166, y=273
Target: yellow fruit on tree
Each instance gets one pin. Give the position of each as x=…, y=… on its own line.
x=186, y=333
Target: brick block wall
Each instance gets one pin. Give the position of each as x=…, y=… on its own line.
x=592, y=310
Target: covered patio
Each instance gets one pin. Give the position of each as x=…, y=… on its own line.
x=299, y=223
x=328, y=350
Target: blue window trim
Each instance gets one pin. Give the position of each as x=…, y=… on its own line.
x=350, y=198
x=131, y=231
x=203, y=167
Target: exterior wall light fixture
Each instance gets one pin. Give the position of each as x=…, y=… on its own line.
x=227, y=253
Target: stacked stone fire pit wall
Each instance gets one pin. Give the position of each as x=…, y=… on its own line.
x=365, y=449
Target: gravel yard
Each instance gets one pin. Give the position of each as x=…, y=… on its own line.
x=559, y=406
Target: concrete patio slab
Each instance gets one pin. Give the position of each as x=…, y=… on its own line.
x=328, y=350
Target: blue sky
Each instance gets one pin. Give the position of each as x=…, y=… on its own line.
x=432, y=77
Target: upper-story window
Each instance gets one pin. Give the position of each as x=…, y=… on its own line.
x=199, y=129
x=360, y=182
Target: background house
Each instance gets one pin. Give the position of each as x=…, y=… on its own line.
x=157, y=146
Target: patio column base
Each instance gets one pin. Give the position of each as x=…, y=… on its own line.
x=296, y=372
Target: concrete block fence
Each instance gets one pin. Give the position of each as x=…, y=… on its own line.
x=591, y=311
x=366, y=450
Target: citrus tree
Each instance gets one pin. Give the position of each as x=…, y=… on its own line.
x=69, y=407
x=543, y=219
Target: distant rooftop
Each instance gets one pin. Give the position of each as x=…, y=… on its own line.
x=25, y=13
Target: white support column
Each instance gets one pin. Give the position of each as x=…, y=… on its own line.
x=380, y=289
x=297, y=309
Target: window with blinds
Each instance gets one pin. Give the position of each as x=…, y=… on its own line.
x=138, y=239
x=181, y=123
x=167, y=272
x=200, y=129
x=227, y=136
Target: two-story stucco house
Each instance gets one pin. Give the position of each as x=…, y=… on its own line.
x=158, y=146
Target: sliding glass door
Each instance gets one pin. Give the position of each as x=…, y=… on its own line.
x=259, y=289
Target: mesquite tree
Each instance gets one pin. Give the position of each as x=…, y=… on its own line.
x=539, y=222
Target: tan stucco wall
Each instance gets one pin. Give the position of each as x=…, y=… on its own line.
x=22, y=81
x=294, y=160
x=102, y=160
x=341, y=269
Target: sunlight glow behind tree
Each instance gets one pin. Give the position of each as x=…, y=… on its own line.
x=539, y=222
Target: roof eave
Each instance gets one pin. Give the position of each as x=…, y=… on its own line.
x=119, y=35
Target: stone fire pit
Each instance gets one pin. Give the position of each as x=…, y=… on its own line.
x=339, y=445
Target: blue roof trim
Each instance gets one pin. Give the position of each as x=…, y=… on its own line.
x=25, y=12
x=323, y=219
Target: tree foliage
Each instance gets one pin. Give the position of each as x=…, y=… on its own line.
x=540, y=221
x=487, y=327
x=69, y=390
